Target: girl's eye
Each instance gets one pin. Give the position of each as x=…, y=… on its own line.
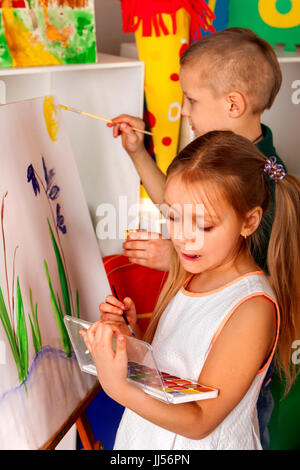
x=173, y=218
x=205, y=229
x=191, y=100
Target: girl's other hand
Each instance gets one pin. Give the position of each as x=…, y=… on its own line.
x=111, y=364
x=112, y=309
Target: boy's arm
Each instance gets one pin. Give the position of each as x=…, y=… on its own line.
x=151, y=176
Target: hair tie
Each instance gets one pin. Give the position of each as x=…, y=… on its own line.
x=274, y=170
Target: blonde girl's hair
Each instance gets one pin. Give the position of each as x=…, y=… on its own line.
x=236, y=168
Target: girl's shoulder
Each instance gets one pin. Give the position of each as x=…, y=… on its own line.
x=255, y=308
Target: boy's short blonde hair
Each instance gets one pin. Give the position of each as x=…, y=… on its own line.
x=237, y=59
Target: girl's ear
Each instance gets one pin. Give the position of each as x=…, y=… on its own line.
x=252, y=221
x=236, y=104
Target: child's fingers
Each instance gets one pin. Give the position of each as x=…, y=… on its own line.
x=116, y=130
x=92, y=330
x=143, y=235
x=126, y=129
x=128, y=303
x=110, y=302
x=84, y=336
x=107, y=309
x=104, y=336
x=130, y=120
x=89, y=334
x=124, y=125
x=121, y=352
x=112, y=318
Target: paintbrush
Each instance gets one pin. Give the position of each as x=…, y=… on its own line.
x=123, y=314
x=100, y=118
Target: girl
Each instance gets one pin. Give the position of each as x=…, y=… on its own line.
x=217, y=318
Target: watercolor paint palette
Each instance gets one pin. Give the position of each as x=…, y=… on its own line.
x=142, y=369
x=176, y=389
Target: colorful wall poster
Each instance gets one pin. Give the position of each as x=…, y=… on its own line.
x=47, y=32
x=220, y=9
x=50, y=267
x=276, y=21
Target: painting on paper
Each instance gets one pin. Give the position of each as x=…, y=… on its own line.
x=50, y=267
x=47, y=32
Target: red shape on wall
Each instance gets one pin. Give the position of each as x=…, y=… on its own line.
x=16, y=4
x=167, y=141
x=149, y=118
x=183, y=48
x=174, y=77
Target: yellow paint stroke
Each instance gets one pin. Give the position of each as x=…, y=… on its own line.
x=24, y=48
x=51, y=118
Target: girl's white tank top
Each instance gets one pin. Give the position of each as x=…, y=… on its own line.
x=185, y=333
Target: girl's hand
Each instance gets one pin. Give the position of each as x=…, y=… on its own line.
x=132, y=141
x=112, y=309
x=111, y=364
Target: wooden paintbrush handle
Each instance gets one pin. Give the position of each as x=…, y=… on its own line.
x=99, y=118
x=94, y=116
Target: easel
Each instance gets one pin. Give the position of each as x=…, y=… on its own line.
x=84, y=429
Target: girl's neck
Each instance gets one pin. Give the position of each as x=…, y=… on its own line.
x=222, y=275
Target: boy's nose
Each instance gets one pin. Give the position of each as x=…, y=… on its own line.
x=185, y=111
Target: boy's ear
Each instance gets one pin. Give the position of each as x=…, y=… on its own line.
x=252, y=221
x=236, y=104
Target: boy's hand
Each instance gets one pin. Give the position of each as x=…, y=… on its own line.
x=149, y=249
x=132, y=141
x=112, y=309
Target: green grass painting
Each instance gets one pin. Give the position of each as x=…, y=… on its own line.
x=34, y=324
x=14, y=323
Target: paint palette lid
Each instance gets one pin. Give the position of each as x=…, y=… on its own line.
x=142, y=369
x=84, y=358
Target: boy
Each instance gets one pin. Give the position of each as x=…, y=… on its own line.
x=228, y=79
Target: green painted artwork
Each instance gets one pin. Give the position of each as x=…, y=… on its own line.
x=47, y=32
x=276, y=21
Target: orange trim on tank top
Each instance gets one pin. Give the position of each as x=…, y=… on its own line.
x=203, y=294
x=231, y=312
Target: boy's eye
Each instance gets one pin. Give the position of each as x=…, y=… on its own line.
x=191, y=100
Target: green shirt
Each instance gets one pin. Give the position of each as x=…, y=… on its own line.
x=266, y=147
